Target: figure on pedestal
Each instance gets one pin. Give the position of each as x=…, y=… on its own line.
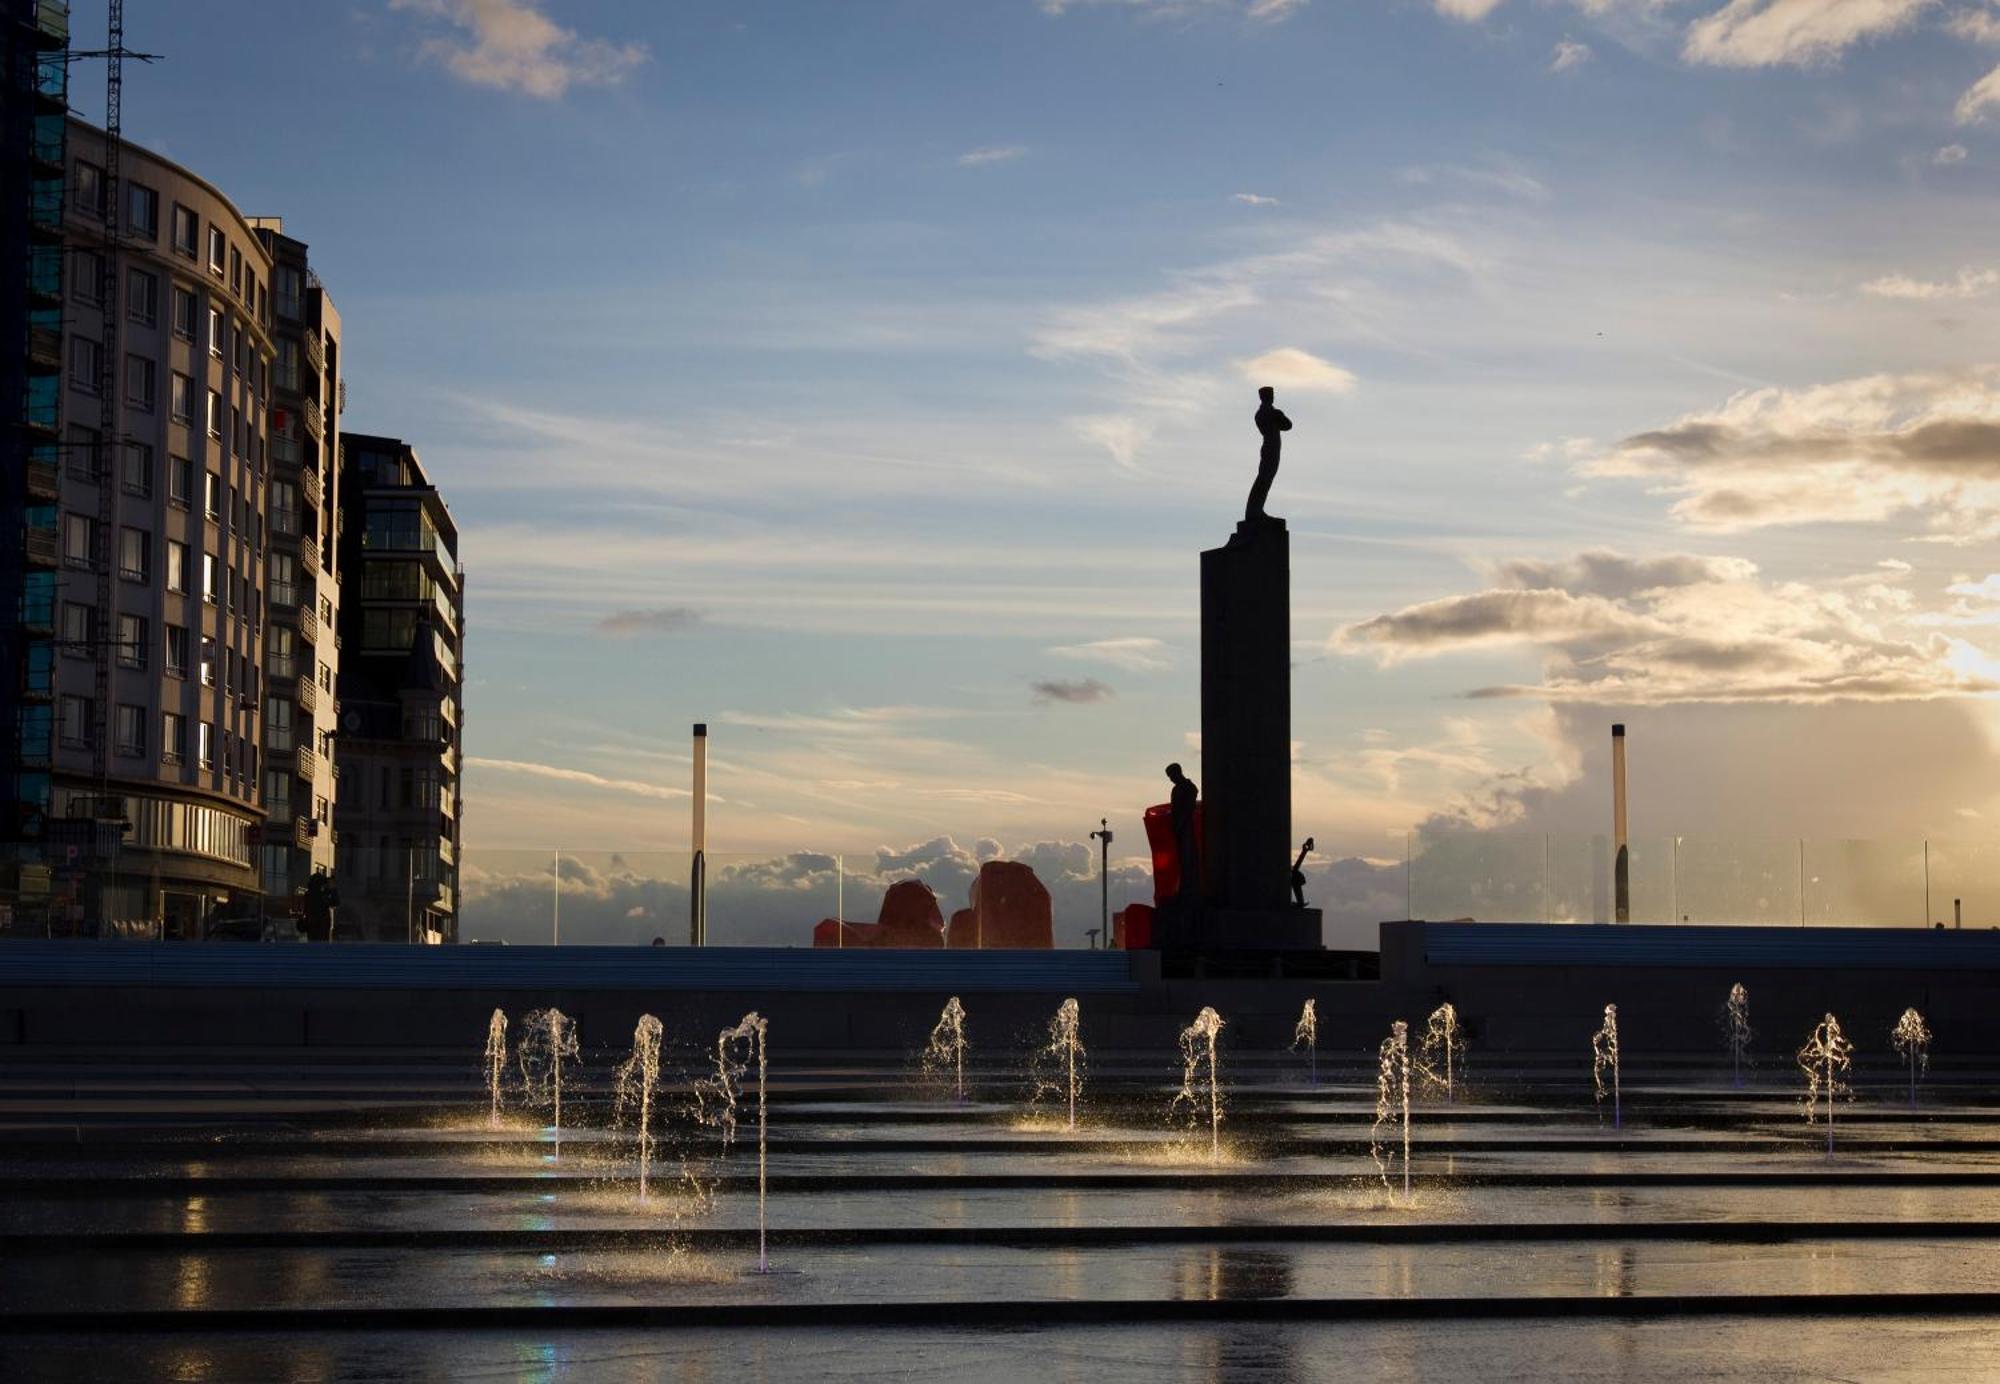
x=1299, y=875
x=1272, y=424
x=1185, y=846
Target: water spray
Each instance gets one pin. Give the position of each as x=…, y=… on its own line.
x=1913, y=1040
x=1306, y=1036
x=1443, y=1045
x=496, y=1065
x=1603, y=1058
x=1392, y=1101
x=548, y=1036
x=947, y=1048
x=1826, y=1059
x=1736, y=1027
x=1197, y=1052
x=638, y=1079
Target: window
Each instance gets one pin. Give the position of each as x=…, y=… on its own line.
x=79, y=539
x=284, y=507
x=86, y=364
x=138, y=474
x=142, y=297
x=135, y=555
x=132, y=641
x=131, y=730
x=211, y=578
x=177, y=650
x=184, y=313
x=78, y=629
x=232, y=671
x=290, y=291
x=206, y=739
x=142, y=210
x=88, y=187
x=217, y=244
x=180, y=480
x=281, y=656
x=81, y=444
x=207, y=661
x=235, y=270
x=173, y=737
x=288, y=365
x=215, y=332
x=182, y=403
x=212, y=494
x=278, y=792
x=177, y=566
x=76, y=720
x=187, y=229
x=214, y=414
x=284, y=579
x=86, y=277
x=277, y=725
x=138, y=383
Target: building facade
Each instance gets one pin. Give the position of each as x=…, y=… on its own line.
x=398, y=817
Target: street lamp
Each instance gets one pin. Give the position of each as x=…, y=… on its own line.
x=1103, y=837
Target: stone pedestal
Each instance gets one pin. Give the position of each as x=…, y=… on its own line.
x=1246, y=745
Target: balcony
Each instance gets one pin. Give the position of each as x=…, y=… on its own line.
x=52, y=18
x=309, y=486
x=44, y=480
x=308, y=695
x=41, y=547
x=308, y=624
x=308, y=761
x=309, y=556
x=310, y=412
x=315, y=353
x=45, y=347
x=303, y=832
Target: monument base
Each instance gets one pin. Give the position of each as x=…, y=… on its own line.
x=1179, y=927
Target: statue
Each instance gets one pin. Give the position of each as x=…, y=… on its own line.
x=1271, y=423
x=1299, y=875
x=1185, y=846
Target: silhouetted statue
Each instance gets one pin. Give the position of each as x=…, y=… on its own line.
x=1271, y=422
x=317, y=905
x=1185, y=846
x=1299, y=875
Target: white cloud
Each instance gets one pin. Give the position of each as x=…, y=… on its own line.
x=1948, y=155
x=1978, y=97
x=1569, y=54
x=1134, y=653
x=1970, y=283
x=1471, y=11
x=661, y=620
x=997, y=153
x=512, y=45
x=1980, y=26
x=1077, y=691
x=1252, y=199
x=577, y=776
x=1288, y=367
x=1770, y=33
x=1263, y=11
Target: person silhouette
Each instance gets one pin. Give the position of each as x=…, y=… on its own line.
x=1181, y=806
x=1271, y=423
x=1299, y=875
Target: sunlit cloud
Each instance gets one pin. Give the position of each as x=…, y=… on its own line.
x=998, y=153
x=1969, y=283
x=664, y=620
x=1134, y=653
x=511, y=45
x=580, y=777
x=1569, y=54
x=1771, y=33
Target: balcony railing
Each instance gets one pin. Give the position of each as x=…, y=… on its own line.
x=308, y=623
x=44, y=480
x=308, y=697
x=310, y=411
x=308, y=760
x=309, y=486
x=45, y=347
x=41, y=547
x=315, y=353
x=309, y=555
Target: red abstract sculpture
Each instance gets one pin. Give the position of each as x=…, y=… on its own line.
x=1166, y=855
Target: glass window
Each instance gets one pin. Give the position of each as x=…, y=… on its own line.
x=142, y=297
x=215, y=332
x=217, y=244
x=76, y=628
x=132, y=641
x=206, y=738
x=207, y=661
x=211, y=579
x=79, y=539
x=277, y=725
x=138, y=477
x=88, y=187
x=139, y=383
x=76, y=720
x=184, y=313
x=290, y=291
x=173, y=737
x=182, y=402
x=177, y=650
x=86, y=276
x=187, y=228
x=142, y=210
x=86, y=364
x=131, y=729
x=177, y=566
x=81, y=444
x=214, y=414
x=235, y=270
x=135, y=555
x=284, y=580
x=212, y=494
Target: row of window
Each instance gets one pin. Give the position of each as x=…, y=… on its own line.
x=224, y=421
x=141, y=221
x=237, y=753
x=222, y=584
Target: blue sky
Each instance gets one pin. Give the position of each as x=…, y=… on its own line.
x=862, y=378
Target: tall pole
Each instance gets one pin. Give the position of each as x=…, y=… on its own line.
x=410, y=894
x=1103, y=837
x=555, y=905
x=1622, y=865
x=698, y=868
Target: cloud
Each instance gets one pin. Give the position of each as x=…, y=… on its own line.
x=1970, y=283
x=513, y=46
x=1687, y=630
x=1984, y=93
x=1857, y=450
x=1252, y=199
x=1288, y=367
x=664, y=620
x=1948, y=155
x=1771, y=33
x=997, y=153
x=1980, y=26
x=1569, y=54
x=1500, y=175
x=577, y=776
x=1135, y=654
x=1471, y=11
x=1263, y=11
x=1072, y=690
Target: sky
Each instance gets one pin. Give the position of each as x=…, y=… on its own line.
x=863, y=379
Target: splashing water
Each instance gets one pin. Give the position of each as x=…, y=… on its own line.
x=1199, y=1088
x=1306, y=1036
x=548, y=1036
x=1603, y=1058
x=1913, y=1040
x=716, y=1098
x=496, y=1064
x=1826, y=1059
x=1444, y=1043
x=638, y=1079
x=947, y=1048
x=1392, y=1102
x=1059, y=1065
x=1736, y=1028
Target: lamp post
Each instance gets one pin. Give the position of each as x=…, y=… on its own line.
x=1103, y=838
x=698, y=868
x=1622, y=861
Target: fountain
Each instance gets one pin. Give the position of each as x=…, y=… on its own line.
x=1913, y=1040
x=735, y=1048
x=1444, y=1040
x=947, y=1048
x=1826, y=1059
x=547, y=1037
x=1197, y=1050
x=1058, y=1066
x=638, y=1078
x=1306, y=1036
x=1736, y=1026
x=1603, y=1056
x=1392, y=1101
x=496, y=1065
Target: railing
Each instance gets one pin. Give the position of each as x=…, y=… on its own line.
x=45, y=347
x=309, y=486
x=41, y=546
x=1510, y=877
x=308, y=623
x=309, y=409
x=315, y=353
x=306, y=761
x=308, y=694
x=44, y=480
x=309, y=555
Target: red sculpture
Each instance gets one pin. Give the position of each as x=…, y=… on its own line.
x=909, y=918
x=1166, y=855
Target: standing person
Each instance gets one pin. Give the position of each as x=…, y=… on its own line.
x=319, y=902
x=1182, y=805
x=1272, y=425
